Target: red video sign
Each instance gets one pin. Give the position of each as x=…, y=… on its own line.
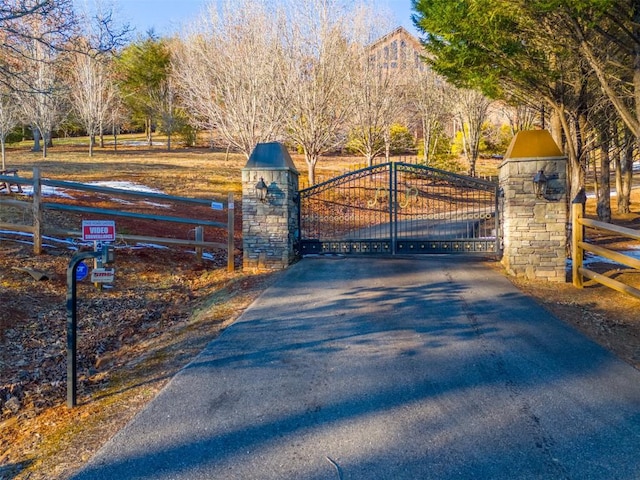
x=99, y=230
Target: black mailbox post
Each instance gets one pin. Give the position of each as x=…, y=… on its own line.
x=107, y=255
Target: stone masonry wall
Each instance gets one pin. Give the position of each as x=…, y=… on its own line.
x=534, y=229
x=269, y=230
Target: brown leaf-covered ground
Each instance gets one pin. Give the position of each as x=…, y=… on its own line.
x=163, y=308
x=161, y=311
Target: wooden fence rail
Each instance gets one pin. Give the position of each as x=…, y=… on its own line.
x=37, y=206
x=579, y=246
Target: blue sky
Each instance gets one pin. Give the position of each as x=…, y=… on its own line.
x=166, y=16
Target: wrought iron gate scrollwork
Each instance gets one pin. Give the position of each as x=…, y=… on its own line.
x=399, y=208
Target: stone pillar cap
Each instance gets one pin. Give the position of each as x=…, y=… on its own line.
x=532, y=144
x=270, y=156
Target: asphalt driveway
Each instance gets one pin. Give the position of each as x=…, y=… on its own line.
x=389, y=368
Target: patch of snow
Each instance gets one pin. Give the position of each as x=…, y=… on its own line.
x=154, y=204
x=46, y=191
x=122, y=185
x=138, y=246
x=205, y=255
x=592, y=258
x=132, y=187
x=137, y=143
x=122, y=201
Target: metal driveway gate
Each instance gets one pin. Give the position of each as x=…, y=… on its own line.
x=399, y=208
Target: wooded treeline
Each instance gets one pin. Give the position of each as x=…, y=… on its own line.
x=249, y=71
x=577, y=61
x=244, y=72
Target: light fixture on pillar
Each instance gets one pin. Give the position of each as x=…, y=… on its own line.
x=540, y=184
x=262, y=190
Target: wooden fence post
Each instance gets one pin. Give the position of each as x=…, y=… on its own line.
x=576, y=239
x=37, y=212
x=199, y=238
x=230, y=230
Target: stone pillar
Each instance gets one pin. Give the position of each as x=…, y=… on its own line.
x=534, y=228
x=269, y=226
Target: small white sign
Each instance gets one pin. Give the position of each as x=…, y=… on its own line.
x=98, y=230
x=103, y=275
x=217, y=206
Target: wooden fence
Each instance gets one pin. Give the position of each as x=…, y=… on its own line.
x=579, y=246
x=37, y=206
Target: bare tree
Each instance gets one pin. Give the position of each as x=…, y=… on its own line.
x=93, y=90
x=520, y=117
x=8, y=119
x=18, y=37
x=93, y=93
x=375, y=95
x=430, y=97
x=228, y=68
x=471, y=109
x=318, y=69
x=374, y=90
x=114, y=121
x=43, y=102
x=103, y=31
x=165, y=102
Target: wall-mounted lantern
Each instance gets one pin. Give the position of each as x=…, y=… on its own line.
x=262, y=190
x=540, y=184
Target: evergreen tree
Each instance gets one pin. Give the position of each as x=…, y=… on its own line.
x=143, y=69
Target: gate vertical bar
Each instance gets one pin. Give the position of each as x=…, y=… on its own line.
x=392, y=223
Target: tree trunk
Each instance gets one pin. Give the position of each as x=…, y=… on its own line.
x=426, y=132
x=603, y=208
x=434, y=148
x=36, y=140
x=581, y=124
x=311, y=160
x=148, y=129
x=475, y=152
x=577, y=171
x=635, y=25
x=369, y=158
x=387, y=149
x=617, y=165
x=92, y=141
x=2, y=140
x=626, y=171
x=465, y=147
